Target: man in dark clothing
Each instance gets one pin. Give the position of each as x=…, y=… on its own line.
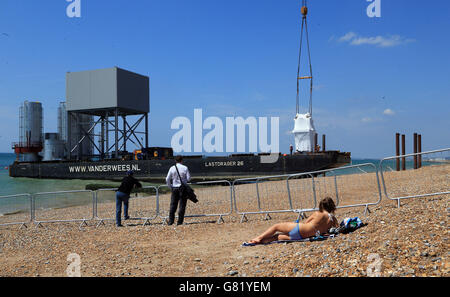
x=123, y=196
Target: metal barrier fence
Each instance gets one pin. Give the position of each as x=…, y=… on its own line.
x=299, y=192
x=16, y=210
x=350, y=186
x=302, y=192
x=215, y=200
x=141, y=208
x=261, y=195
x=431, y=178
x=63, y=206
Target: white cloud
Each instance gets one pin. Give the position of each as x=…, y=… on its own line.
x=380, y=41
x=389, y=112
x=347, y=37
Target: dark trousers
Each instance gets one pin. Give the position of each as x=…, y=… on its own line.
x=174, y=201
x=121, y=198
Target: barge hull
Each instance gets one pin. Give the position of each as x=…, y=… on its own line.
x=202, y=168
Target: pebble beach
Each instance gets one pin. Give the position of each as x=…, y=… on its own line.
x=397, y=242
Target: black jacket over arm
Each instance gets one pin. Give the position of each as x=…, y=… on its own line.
x=127, y=184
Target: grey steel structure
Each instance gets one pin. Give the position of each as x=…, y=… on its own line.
x=107, y=93
x=78, y=124
x=62, y=121
x=53, y=147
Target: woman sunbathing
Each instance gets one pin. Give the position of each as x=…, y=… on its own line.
x=321, y=221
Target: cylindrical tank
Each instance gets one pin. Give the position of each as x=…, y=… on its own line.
x=30, y=130
x=62, y=121
x=53, y=147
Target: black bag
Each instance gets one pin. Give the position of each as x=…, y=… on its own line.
x=185, y=190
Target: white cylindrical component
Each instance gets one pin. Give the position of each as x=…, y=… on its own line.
x=30, y=130
x=304, y=132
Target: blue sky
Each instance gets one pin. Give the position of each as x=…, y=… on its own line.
x=373, y=76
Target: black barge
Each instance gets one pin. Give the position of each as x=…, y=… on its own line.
x=201, y=167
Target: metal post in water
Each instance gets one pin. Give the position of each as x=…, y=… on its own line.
x=315, y=142
x=419, y=149
x=415, y=150
x=403, y=152
x=397, y=150
x=323, y=143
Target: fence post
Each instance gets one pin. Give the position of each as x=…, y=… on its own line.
x=94, y=206
x=403, y=152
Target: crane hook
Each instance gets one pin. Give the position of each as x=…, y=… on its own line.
x=304, y=10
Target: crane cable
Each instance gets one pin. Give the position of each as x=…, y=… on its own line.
x=304, y=11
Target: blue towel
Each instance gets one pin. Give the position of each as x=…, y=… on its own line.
x=309, y=239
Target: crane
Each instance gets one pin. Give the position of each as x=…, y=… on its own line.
x=304, y=28
x=304, y=131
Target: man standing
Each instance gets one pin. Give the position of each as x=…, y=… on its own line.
x=174, y=183
x=123, y=196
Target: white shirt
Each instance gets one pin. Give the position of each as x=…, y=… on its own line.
x=173, y=180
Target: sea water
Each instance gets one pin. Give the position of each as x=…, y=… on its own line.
x=16, y=186
x=13, y=186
